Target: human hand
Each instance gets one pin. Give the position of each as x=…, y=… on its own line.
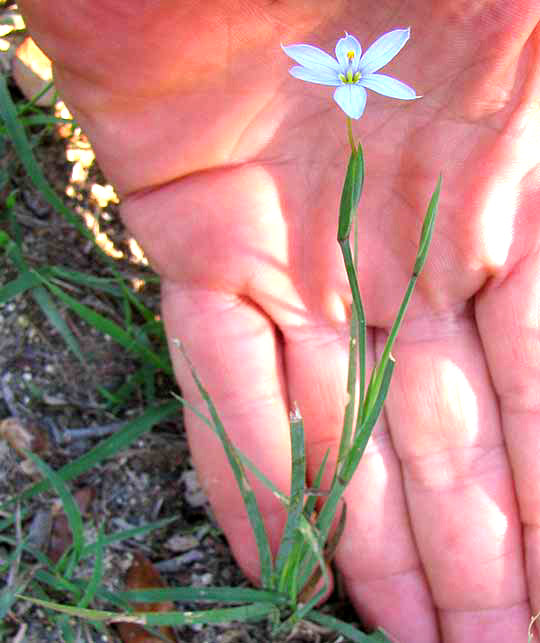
x=230, y=172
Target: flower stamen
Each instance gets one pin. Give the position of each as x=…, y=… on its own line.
x=350, y=77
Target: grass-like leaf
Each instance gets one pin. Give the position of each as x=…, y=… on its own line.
x=56, y=319
x=348, y=630
x=351, y=193
x=17, y=286
x=360, y=327
x=42, y=297
x=16, y=582
x=315, y=490
x=248, y=496
x=97, y=572
x=93, y=282
x=427, y=229
x=107, y=448
x=17, y=135
x=57, y=583
x=126, y=534
x=350, y=464
x=296, y=498
x=350, y=407
x=253, y=612
x=425, y=240
x=303, y=608
x=203, y=595
x=107, y=326
x=366, y=427
x=69, y=504
x=330, y=548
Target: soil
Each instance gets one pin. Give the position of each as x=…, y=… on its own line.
x=44, y=388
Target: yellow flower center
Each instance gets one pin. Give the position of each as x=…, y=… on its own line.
x=350, y=55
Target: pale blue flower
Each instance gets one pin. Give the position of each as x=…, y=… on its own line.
x=351, y=72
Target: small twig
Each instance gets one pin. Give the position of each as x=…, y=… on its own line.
x=21, y=634
x=7, y=394
x=14, y=568
x=179, y=562
x=85, y=433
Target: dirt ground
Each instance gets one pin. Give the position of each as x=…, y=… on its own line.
x=44, y=386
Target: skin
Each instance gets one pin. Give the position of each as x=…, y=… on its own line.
x=230, y=172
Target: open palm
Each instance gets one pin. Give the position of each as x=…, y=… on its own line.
x=230, y=172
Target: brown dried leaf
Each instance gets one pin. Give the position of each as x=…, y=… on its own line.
x=61, y=537
x=24, y=437
x=143, y=575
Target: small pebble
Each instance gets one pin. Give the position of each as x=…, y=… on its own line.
x=180, y=543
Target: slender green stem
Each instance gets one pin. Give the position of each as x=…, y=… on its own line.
x=348, y=420
x=357, y=303
x=351, y=138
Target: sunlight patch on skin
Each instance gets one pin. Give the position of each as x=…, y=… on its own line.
x=453, y=377
x=448, y=451
x=336, y=308
x=497, y=223
x=460, y=400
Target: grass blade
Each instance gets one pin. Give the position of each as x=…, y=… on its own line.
x=17, y=135
x=329, y=553
x=204, y=594
x=126, y=534
x=314, y=490
x=351, y=193
x=248, y=496
x=107, y=448
x=100, y=284
x=97, y=572
x=360, y=315
x=69, y=504
x=427, y=229
x=421, y=256
x=302, y=609
x=327, y=513
x=296, y=498
x=107, y=326
x=17, y=286
x=348, y=419
x=254, y=612
x=347, y=629
x=50, y=310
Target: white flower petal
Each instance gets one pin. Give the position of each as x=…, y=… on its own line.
x=383, y=50
x=344, y=45
x=388, y=86
x=352, y=99
x=311, y=57
x=320, y=76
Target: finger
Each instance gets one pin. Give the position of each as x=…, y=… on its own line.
x=236, y=354
x=445, y=427
x=376, y=555
x=509, y=321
